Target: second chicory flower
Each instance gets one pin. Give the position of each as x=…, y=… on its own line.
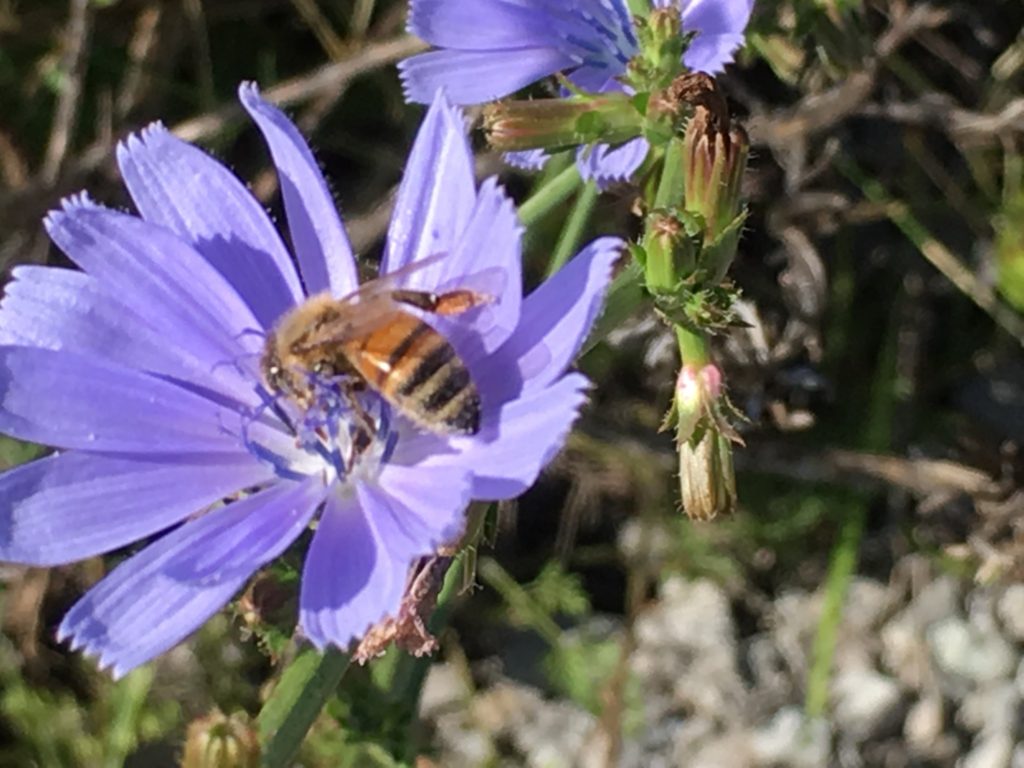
x=488, y=49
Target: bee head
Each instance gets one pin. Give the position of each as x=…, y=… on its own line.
x=270, y=367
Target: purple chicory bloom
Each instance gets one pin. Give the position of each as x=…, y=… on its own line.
x=487, y=49
x=142, y=371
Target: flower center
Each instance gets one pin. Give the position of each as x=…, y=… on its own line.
x=344, y=428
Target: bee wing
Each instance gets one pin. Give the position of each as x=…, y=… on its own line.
x=353, y=319
x=391, y=280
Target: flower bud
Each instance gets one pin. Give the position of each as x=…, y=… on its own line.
x=662, y=44
x=696, y=398
x=670, y=249
x=218, y=741
x=715, y=158
x=704, y=438
x=707, y=478
x=608, y=118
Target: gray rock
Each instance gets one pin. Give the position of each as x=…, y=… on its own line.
x=976, y=654
x=991, y=708
x=1010, y=610
x=905, y=652
x=1019, y=679
x=994, y=751
x=686, y=649
x=866, y=703
x=925, y=730
x=546, y=734
x=792, y=740
x=794, y=622
x=445, y=688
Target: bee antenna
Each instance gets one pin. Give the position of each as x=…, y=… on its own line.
x=250, y=332
x=235, y=362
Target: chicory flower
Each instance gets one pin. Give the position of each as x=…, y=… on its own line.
x=488, y=49
x=142, y=370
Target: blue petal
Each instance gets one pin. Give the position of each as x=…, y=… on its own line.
x=68, y=310
x=318, y=237
x=70, y=506
x=475, y=77
x=348, y=582
x=436, y=197
x=555, y=320
x=164, y=281
x=244, y=535
x=711, y=53
x=528, y=159
x=357, y=567
x=521, y=439
x=720, y=25
x=607, y=165
x=69, y=401
x=479, y=25
x=714, y=17
x=182, y=188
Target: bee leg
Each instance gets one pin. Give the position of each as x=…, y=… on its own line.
x=450, y=303
x=365, y=429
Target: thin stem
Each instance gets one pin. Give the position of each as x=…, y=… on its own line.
x=549, y=195
x=670, y=186
x=305, y=687
x=693, y=347
x=575, y=227
x=411, y=671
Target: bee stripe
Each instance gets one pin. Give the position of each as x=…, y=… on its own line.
x=463, y=411
x=428, y=367
x=407, y=344
x=447, y=389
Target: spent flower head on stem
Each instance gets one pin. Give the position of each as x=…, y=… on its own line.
x=488, y=49
x=143, y=371
x=704, y=440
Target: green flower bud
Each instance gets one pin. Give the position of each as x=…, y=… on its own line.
x=218, y=741
x=715, y=158
x=662, y=44
x=670, y=249
x=608, y=118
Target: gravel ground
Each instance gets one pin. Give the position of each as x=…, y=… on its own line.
x=928, y=672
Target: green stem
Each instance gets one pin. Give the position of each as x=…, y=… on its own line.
x=575, y=227
x=305, y=687
x=548, y=196
x=624, y=297
x=520, y=601
x=840, y=571
x=670, y=186
x=128, y=701
x=410, y=672
x=693, y=347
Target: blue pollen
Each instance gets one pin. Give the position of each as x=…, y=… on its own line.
x=331, y=427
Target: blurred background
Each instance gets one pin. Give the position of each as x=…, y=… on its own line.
x=864, y=607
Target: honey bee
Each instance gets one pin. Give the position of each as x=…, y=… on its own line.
x=370, y=338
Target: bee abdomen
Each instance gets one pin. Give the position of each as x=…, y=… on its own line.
x=439, y=391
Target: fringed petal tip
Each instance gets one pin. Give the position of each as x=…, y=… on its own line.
x=527, y=160
x=79, y=201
